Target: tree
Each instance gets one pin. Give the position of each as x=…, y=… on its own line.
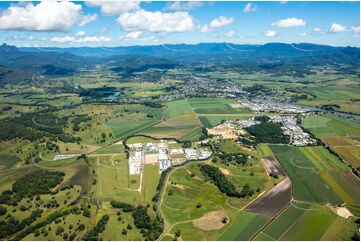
x=124, y=232
x=3, y=210
x=224, y=220
x=59, y=230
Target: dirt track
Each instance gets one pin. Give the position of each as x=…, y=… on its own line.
x=273, y=201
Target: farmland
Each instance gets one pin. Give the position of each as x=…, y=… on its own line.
x=340, y=134
x=302, y=221
x=155, y=143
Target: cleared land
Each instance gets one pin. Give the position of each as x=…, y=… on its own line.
x=272, y=166
x=273, y=201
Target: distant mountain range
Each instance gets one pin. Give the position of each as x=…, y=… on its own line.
x=65, y=61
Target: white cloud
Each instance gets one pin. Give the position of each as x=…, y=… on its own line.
x=181, y=6
x=114, y=7
x=336, y=28
x=289, y=22
x=206, y=29
x=132, y=35
x=270, y=33
x=156, y=21
x=80, y=33
x=45, y=16
x=355, y=29
x=250, y=7
x=230, y=34
x=216, y=23
x=317, y=29
x=302, y=34
x=221, y=21
x=283, y=2
x=88, y=19
x=81, y=40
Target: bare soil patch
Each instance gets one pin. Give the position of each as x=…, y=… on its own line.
x=224, y=171
x=272, y=165
x=273, y=201
x=227, y=130
x=180, y=186
x=210, y=221
x=151, y=159
x=342, y=212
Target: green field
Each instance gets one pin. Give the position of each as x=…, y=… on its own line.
x=211, y=121
x=176, y=108
x=323, y=126
x=341, y=134
x=150, y=182
x=125, y=128
x=214, y=106
x=264, y=150
x=307, y=182
x=305, y=222
x=244, y=227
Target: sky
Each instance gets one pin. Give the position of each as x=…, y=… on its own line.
x=51, y=23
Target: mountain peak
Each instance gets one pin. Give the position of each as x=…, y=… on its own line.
x=8, y=48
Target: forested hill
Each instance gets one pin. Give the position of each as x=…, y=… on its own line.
x=65, y=61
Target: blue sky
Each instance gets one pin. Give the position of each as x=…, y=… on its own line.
x=103, y=23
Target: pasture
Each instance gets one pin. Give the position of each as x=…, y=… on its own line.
x=189, y=196
x=116, y=224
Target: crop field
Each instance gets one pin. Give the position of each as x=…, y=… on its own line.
x=264, y=150
x=341, y=134
x=194, y=135
x=176, y=132
x=308, y=184
x=125, y=128
x=322, y=159
x=214, y=106
x=245, y=226
x=211, y=121
x=324, y=126
x=301, y=221
x=176, y=108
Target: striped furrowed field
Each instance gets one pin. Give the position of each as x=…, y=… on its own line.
x=307, y=182
x=341, y=134
x=302, y=221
